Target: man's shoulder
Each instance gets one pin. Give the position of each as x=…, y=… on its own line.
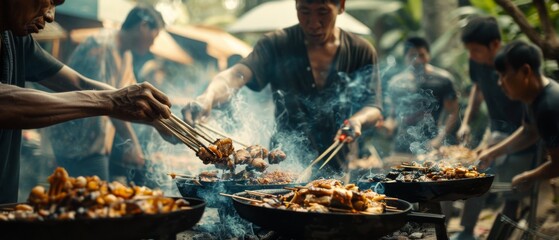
x=441, y=73
x=357, y=41
x=400, y=79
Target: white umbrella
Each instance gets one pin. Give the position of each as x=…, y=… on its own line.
x=274, y=15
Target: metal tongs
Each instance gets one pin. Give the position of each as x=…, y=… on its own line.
x=347, y=131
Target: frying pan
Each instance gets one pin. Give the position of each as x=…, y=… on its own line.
x=159, y=226
x=445, y=190
x=209, y=191
x=308, y=225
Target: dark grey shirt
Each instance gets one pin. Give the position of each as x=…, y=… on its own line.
x=417, y=103
x=280, y=59
x=505, y=114
x=22, y=60
x=544, y=112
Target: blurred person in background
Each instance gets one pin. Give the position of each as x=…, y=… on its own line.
x=482, y=38
x=22, y=59
x=84, y=146
x=320, y=75
x=519, y=65
x=418, y=100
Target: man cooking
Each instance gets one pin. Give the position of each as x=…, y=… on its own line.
x=482, y=37
x=520, y=77
x=320, y=75
x=22, y=59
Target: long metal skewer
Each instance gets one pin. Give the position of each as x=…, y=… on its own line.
x=221, y=134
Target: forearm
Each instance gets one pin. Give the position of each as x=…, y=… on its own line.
x=522, y=138
x=545, y=171
x=28, y=108
x=224, y=85
x=367, y=117
x=452, y=108
x=69, y=80
x=474, y=102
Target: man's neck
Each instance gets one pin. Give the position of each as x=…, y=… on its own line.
x=333, y=40
x=535, y=90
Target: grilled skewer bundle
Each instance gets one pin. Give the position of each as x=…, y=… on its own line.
x=325, y=195
x=90, y=197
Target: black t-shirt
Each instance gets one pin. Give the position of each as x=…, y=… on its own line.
x=280, y=59
x=544, y=112
x=505, y=114
x=22, y=60
x=417, y=102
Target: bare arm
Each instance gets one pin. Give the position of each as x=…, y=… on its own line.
x=545, y=171
x=28, y=108
x=525, y=136
x=474, y=101
x=222, y=87
x=451, y=107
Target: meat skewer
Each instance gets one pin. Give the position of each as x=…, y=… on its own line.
x=221, y=134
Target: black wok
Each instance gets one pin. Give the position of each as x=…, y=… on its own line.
x=445, y=190
x=307, y=225
x=159, y=226
x=210, y=190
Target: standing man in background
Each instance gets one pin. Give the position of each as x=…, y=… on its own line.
x=418, y=98
x=84, y=146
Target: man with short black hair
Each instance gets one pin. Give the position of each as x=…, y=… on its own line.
x=481, y=36
x=84, y=146
x=320, y=75
x=519, y=66
x=418, y=97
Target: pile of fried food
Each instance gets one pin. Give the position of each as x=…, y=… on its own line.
x=88, y=198
x=451, y=153
x=326, y=195
x=253, y=156
x=428, y=171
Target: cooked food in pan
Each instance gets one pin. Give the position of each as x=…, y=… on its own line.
x=326, y=195
x=428, y=171
x=90, y=197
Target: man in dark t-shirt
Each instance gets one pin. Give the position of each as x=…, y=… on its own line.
x=519, y=66
x=417, y=99
x=481, y=36
x=22, y=59
x=319, y=75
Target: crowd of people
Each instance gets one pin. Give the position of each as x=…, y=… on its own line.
x=322, y=79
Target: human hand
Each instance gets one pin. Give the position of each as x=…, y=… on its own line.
x=349, y=131
x=436, y=142
x=464, y=133
x=195, y=111
x=485, y=157
x=139, y=102
x=522, y=182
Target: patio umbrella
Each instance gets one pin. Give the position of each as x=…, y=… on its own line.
x=274, y=15
x=204, y=41
x=163, y=46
